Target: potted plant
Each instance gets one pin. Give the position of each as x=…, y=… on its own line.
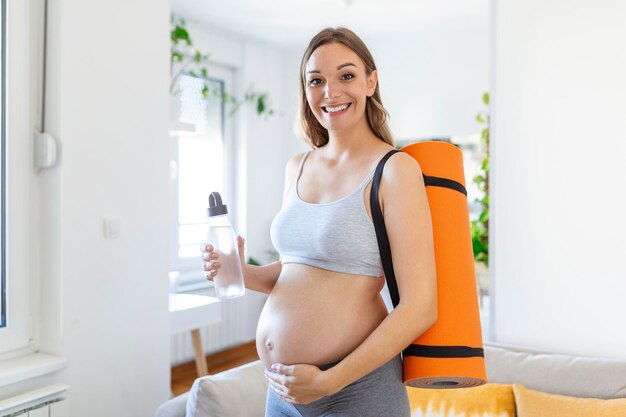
x=480, y=227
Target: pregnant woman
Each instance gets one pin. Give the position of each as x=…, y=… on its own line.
x=325, y=336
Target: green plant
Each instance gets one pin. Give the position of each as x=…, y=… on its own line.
x=187, y=60
x=480, y=226
x=275, y=256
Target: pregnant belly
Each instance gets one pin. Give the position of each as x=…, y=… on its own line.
x=316, y=316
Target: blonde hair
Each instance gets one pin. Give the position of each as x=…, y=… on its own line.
x=309, y=127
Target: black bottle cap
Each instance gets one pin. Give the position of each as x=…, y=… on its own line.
x=216, y=208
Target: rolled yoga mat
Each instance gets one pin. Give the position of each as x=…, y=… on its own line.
x=450, y=353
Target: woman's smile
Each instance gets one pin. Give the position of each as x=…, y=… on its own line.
x=334, y=111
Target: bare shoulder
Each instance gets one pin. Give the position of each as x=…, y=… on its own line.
x=295, y=160
x=291, y=169
x=401, y=163
x=402, y=179
x=292, y=164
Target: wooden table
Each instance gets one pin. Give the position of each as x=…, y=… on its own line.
x=192, y=312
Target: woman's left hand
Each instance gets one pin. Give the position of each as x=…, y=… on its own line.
x=299, y=384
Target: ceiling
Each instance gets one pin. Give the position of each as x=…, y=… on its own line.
x=291, y=23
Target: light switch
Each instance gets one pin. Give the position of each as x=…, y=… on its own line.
x=111, y=227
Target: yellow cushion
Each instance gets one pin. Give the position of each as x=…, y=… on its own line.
x=488, y=400
x=531, y=403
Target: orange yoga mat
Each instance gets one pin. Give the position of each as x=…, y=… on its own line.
x=450, y=353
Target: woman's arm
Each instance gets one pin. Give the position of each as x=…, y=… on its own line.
x=262, y=278
x=409, y=227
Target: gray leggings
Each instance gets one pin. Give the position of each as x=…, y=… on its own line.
x=379, y=393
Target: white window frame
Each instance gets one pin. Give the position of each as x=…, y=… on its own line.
x=187, y=274
x=23, y=30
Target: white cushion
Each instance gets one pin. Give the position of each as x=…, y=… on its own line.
x=237, y=392
x=556, y=373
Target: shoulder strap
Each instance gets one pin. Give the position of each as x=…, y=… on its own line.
x=302, y=163
x=381, y=231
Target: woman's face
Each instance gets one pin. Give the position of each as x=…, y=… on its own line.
x=335, y=77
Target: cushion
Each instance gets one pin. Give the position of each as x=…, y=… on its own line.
x=237, y=392
x=556, y=373
x=532, y=403
x=488, y=400
x=173, y=407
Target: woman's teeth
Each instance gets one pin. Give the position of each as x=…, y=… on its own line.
x=336, y=109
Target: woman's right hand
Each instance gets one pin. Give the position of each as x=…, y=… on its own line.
x=211, y=257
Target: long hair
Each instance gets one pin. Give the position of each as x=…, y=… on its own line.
x=309, y=128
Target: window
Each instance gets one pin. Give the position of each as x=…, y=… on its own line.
x=19, y=102
x=198, y=166
x=3, y=284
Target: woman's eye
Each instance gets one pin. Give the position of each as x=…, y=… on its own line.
x=312, y=81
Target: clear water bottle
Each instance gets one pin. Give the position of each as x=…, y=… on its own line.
x=229, y=280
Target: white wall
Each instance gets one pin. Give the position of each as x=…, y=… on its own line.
x=291, y=79
x=105, y=301
x=432, y=84
x=558, y=146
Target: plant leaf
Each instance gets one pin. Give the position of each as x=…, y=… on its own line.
x=177, y=56
x=179, y=33
x=260, y=104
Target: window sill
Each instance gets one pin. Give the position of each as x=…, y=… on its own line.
x=29, y=366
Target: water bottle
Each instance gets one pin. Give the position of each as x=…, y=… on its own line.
x=229, y=280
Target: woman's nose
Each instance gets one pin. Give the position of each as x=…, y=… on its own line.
x=330, y=92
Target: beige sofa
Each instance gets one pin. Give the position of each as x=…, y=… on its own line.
x=240, y=392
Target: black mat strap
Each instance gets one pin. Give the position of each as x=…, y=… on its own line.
x=446, y=183
x=443, y=351
x=381, y=231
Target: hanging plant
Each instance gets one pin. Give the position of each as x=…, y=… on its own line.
x=480, y=227
x=187, y=60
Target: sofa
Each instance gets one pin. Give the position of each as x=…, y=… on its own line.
x=551, y=377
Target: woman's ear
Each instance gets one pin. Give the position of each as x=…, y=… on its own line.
x=372, y=80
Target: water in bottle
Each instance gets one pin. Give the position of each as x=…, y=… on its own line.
x=229, y=281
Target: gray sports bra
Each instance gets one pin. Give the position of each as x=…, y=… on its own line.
x=338, y=236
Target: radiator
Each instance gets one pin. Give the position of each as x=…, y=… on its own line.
x=48, y=401
x=239, y=320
